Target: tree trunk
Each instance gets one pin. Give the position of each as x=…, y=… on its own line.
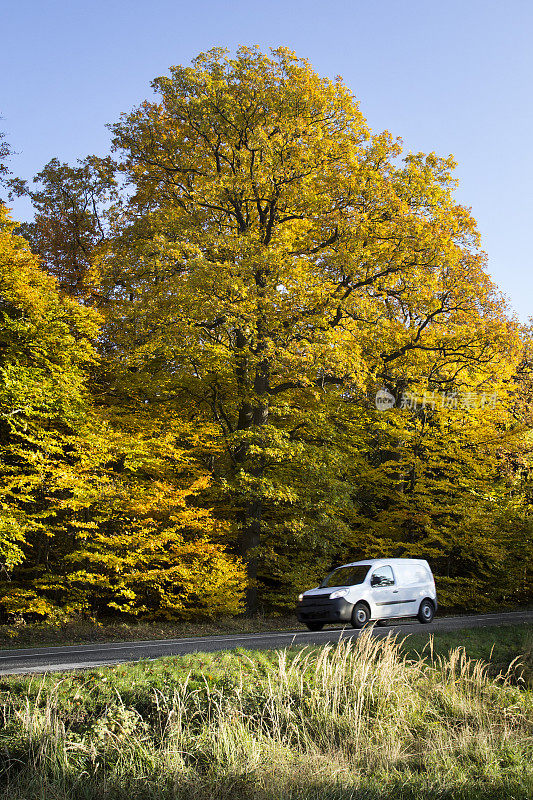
x=251, y=539
x=252, y=417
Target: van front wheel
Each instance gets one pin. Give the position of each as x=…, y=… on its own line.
x=360, y=615
x=426, y=612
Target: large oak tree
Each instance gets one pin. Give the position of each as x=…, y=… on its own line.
x=271, y=249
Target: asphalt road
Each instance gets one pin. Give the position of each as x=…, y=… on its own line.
x=53, y=659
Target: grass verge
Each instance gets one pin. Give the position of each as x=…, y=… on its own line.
x=366, y=719
x=42, y=634
x=506, y=649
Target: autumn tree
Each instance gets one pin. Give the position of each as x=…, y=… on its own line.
x=45, y=346
x=142, y=539
x=263, y=264
x=436, y=486
x=100, y=506
x=70, y=219
x=270, y=250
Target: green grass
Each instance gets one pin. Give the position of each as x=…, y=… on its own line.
x=368, y=719
x=498, y=647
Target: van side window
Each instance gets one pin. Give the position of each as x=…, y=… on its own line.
x=382, y=576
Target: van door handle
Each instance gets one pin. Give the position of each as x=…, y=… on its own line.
x=395, y=591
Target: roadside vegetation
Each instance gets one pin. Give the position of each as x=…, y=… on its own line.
x=506, y=650
x=368, y=718
x=82, y=630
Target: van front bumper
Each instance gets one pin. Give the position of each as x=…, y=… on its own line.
x=322, y=609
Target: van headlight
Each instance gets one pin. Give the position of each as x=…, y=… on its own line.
x=300, y=598
x=338, y=593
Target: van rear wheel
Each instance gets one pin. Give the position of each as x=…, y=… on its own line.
x=315, y=626
x=426, y=612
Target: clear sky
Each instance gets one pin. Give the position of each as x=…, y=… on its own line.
x=450, y=76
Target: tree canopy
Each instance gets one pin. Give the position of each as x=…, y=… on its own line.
x=273, y=250
x=263, y=264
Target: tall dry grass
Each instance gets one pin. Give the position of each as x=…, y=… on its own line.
x=353, y=720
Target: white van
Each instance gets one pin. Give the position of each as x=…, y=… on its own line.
x=377, y=589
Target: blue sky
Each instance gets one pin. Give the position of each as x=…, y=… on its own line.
x=450, y=77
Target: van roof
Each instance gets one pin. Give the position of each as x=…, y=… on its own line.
x=373, y=561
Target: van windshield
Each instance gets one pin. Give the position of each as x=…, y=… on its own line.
x=346, y=576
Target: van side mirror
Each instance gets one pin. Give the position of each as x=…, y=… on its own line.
x=375, y=581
